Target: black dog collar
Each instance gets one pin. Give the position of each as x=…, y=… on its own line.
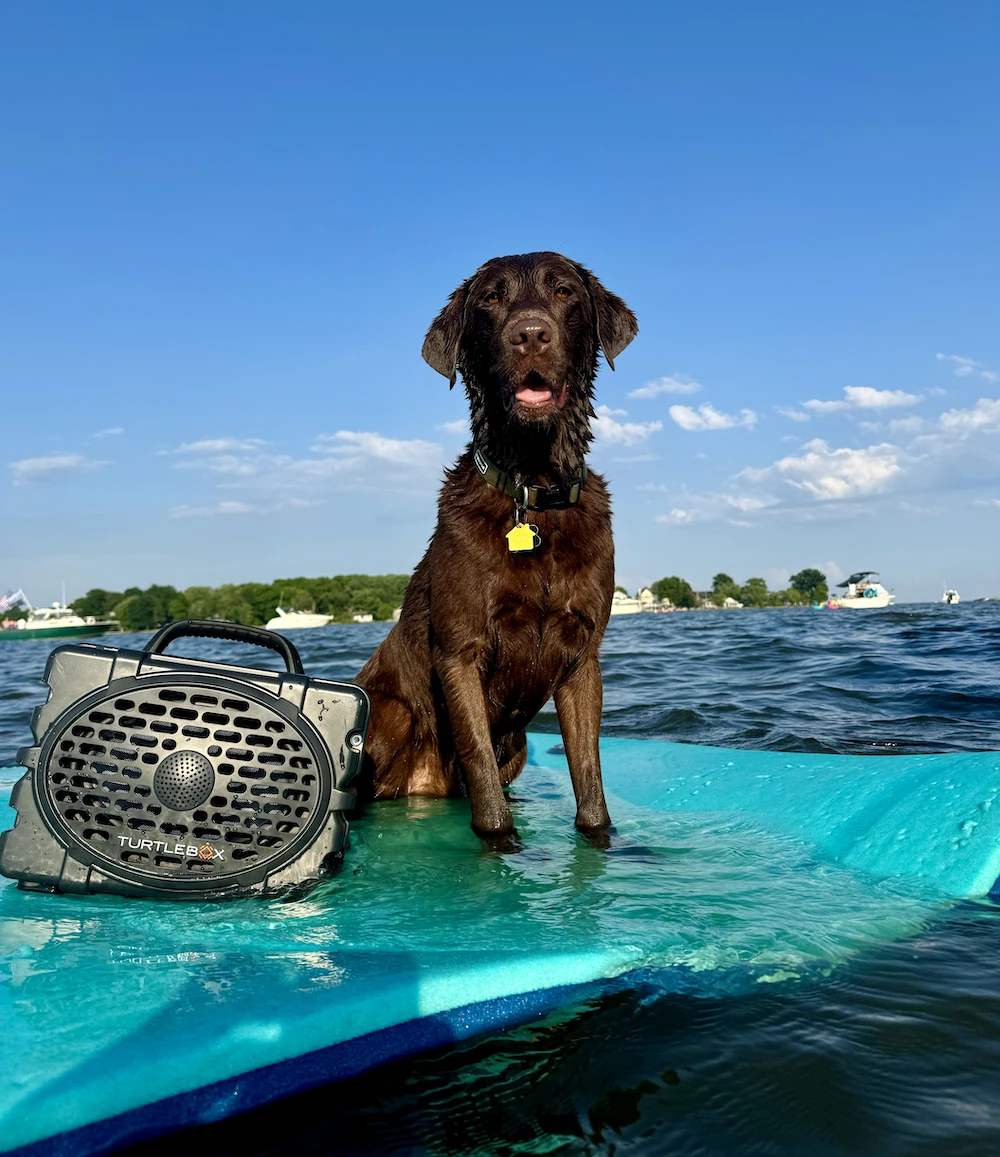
x=531, y=497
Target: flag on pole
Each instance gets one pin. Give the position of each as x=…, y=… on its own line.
x=13, y=599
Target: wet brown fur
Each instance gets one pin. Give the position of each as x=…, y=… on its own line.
x=487, y=637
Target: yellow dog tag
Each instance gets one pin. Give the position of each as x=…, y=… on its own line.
x=523, y=539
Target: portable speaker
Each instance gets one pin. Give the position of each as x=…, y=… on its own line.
x=157, y=775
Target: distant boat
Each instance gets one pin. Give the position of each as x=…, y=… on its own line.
x=291, y=620
x=951, y=596
x=863, y=592
x=623, y=604
x=55, y=622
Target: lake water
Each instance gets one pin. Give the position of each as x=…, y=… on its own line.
x=896, y=1052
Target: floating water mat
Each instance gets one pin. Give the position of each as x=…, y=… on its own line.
x=122, y=1019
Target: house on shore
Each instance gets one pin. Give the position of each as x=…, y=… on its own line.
x=649, y=602
x=645, y=601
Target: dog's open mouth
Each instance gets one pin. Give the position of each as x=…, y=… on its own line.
x=535, y=392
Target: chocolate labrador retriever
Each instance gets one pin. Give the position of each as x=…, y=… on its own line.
x=509, y=604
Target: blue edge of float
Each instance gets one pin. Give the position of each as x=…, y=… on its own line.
x=250, y=1090
x=931, y=817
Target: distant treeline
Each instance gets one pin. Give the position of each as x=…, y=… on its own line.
x=345, y=595
x=252, y=604
x=808, y=586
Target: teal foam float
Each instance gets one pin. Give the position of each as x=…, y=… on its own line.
x=121, y=1018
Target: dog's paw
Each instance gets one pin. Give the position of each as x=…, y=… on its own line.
x=599, y=838
x=507, y=844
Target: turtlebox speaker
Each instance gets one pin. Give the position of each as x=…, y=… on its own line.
x=164, y=776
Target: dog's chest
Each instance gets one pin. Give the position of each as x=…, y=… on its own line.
x=544, y=614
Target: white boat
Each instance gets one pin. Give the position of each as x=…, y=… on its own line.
x=863, y=592
x=623, y=604
x=288, y=619
x=951, y=596
x=55, y=622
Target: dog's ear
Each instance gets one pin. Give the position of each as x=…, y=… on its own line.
x=442, y=341
x=616, y=323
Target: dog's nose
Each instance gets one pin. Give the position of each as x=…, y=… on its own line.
x=531, y=335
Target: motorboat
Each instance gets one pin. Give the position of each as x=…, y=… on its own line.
x=951, y=596
x=863, y=591
x=288, y=619
x=623, y=604
x=55, y=622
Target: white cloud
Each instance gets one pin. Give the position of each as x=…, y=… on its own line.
x=609, y=430
x=52, y=467
x=231, y=464
x=910, y=425
x=982, y=418
x=357, y=445
x=459, y=426
x=749, y=503
x=669, y=385
x=829, y=474
x=679, y=517
x=792, y=414
x=231, y=506
x=347, y=459
x=963, y=367
x=863, y=398
x=220, y=445
x=110, y=433
x=211, y=511
x=706, y=417
x=714, y=507
x=632, y=459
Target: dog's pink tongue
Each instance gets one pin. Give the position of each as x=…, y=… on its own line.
x=533, y=397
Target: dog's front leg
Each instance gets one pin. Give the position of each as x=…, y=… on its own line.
x=579, y=700
x=470, y=729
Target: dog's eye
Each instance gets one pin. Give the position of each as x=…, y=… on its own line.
x=492, y=298
x=564, y=292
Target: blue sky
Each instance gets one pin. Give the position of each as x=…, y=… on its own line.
x=226, y=227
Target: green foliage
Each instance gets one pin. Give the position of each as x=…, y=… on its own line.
x=723, y=587
x=677, y=590
x=622, y=589
x=97, y=602
x=808, y=581
x=146, y=610
x=787, y=598
x=200, y=602
x=251, y=604
x=343, y=595
x=754, y=593
x=132, y=614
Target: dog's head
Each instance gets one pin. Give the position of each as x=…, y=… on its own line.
x=525, y=332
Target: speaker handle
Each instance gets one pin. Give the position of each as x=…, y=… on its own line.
x=209, y=629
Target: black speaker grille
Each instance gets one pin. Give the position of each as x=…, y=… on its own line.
x=184, y=780
x=241, y=788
